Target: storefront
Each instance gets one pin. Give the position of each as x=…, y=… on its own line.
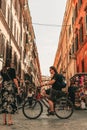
x=80, y=81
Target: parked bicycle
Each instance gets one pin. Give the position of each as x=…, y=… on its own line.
x=63, y=107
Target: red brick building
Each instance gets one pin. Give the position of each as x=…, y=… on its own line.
x=80, y=34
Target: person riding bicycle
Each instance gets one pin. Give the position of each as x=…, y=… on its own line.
x=56, y=83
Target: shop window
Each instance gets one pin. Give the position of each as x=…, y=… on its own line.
x=80, y=82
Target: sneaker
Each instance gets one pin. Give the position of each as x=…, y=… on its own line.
x=50, y=113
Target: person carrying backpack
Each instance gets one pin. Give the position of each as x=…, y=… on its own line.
x=56, y=83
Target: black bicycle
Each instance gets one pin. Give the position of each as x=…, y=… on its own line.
x=63, y=107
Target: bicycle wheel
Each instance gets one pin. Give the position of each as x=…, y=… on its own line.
x=32, y=111
x=63, y=108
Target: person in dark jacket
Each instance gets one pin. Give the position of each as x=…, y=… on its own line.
x=71, y=92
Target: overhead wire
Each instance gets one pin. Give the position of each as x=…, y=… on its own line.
x=52, y=25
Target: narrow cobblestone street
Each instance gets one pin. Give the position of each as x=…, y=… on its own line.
x=77, y=121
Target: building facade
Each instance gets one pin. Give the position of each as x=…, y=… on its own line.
x=80, y=34
x=17, y=39
x=71, y=54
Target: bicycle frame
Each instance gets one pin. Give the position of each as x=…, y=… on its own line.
x=44, y=102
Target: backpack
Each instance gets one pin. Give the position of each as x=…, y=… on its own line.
x=63, y=81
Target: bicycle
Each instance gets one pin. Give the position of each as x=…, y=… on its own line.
x=63, y=107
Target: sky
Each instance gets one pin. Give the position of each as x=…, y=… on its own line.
x=46, y=14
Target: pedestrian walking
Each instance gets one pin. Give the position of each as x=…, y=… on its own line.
x=8, y=93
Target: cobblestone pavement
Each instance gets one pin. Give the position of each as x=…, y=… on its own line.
x=78, y=121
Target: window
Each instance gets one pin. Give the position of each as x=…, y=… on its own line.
x=3, y=6
x=0, y=3
x=72, y=48
x=15, y=60
x=70, y=54
x=8, y=53
x=11, y=23
x=69, y=30
x=83, y=65
x=76, y=43
x=81, y=34
x=19, y=68
x=8, y=17
x=2, y=45
x=17, y=37
x=26, y=38
x=78, y=68
x=79, y=3
x=15, y=5
x=15, y=29
x=86, y=23
x=76, y=12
